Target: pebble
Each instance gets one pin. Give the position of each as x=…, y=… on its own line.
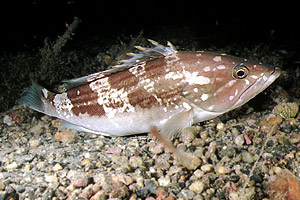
x=34, y=143
x=197, y=142
x=247, y=157
x=81, y=182
x=207, y=167
x=27, y=167
x=186, y=194
x=100, y=195
x=222, y=169
x=57, y=167
x=2, y=186
x=85, y=162
x=197, y=187
x=189, y=160
x=188, y=134
x=162, y=163
x=7, y=120
x=228, y=151
x=66, y=137
x=220, y=126
x=12, y=166
x=239, y=140
x=51, y=178
x=136, y=162
x=87, y=192
x=198, y=173
x=275, y=120
x=164, y=181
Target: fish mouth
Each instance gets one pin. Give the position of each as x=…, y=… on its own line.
x=258, y=86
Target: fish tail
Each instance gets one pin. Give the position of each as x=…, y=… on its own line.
x=34, y=96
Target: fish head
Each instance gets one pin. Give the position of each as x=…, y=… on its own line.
x=232, y=82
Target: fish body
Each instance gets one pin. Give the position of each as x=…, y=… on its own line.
x=159, y=87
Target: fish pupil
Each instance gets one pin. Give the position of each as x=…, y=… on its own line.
x=240, y=73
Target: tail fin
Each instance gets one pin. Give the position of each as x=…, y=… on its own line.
x=33, y=97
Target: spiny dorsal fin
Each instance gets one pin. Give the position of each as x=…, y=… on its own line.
x=145, y=55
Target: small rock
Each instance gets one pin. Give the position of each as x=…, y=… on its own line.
x=186, y=194
x=48, y=194
x=220, y=126
x=119, y=191
x=7, y=120
x=275, y=120
x=161, y=194
x=85, y=162
x=51, y=178
x=57, y=167
x=33, y=143
x=247, y=139
x=222, y=169
x=99, y=143
x=158, y=149
x=170, y=198
x=151, y=186
x=197, y=187
x=198, y=142
x=235, y=131
x=247, y=157
x=164, y=181
x=188, y=135
x=114, y=150
x=81, y=182
x=188, y=160
x=100, y=195
x=136, y=162
x=239, y=140
x=198, y=173
x=12, y=166
x=150, y=198
x=2, y=186
x=19, y=188
x=162, y=163
x=227, y=150
x=66, y=137
x=174, y=170
x=87, y=192
x=207, y=167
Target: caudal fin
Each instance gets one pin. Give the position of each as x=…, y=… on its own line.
x=33, y=97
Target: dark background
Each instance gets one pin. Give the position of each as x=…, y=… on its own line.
x=25, y=24
x=267, y=31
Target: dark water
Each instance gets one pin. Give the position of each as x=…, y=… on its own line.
x=239, y=28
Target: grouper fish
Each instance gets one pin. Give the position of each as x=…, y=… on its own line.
x=157, y=87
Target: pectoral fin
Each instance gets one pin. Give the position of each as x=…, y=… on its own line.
x=177, y=123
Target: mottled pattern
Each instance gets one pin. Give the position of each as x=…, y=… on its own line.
x=159, y=87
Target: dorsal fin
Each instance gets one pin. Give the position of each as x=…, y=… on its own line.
x=145, y=55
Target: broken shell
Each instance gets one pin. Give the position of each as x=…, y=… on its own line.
x=286, y=110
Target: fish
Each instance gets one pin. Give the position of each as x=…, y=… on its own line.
x=157, y=87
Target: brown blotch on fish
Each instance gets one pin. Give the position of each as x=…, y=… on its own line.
x=159, y=86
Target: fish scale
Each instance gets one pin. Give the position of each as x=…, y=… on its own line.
x=158, y=87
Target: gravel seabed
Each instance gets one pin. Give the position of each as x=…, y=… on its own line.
x=40, y=159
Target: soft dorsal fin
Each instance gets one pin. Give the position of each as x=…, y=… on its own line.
x=145, y=55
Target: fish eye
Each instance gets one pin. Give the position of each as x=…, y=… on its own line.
x=240, y=71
